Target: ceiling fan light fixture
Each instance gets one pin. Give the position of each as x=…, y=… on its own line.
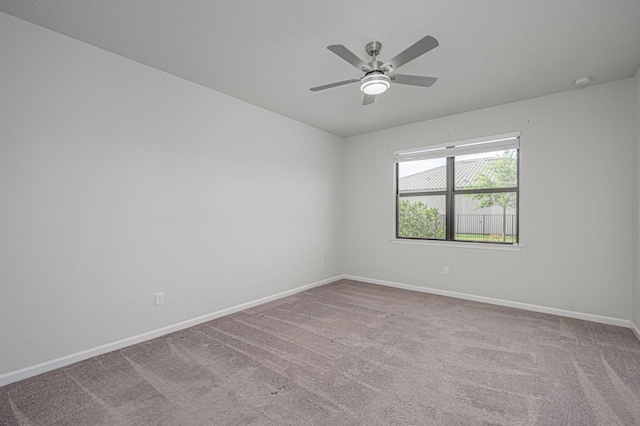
x=375, y=83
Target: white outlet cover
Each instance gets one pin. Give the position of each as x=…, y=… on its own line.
x=159, y=298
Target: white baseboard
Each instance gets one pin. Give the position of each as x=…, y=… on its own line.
x=518, y=305
x=24, y=373
x=635, y=329
x=64, y=361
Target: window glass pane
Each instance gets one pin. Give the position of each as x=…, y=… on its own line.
x=422, y=176
x=497, y=169
x=488, y=217
x=422, y=217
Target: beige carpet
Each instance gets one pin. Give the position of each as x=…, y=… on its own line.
x=350, y=353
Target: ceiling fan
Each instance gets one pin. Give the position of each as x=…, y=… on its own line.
x=377, y=75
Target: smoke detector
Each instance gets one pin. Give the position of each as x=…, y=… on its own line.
x=582, y=81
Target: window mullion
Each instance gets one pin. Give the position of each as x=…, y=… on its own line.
x=486, y=190
x=450, y=205
x=417, y=194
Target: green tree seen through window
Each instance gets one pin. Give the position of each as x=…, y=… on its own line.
x=501, y=173
x=418, y=220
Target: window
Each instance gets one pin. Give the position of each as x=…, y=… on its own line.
x=466, y=191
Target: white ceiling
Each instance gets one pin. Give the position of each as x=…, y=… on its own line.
x=270, y=52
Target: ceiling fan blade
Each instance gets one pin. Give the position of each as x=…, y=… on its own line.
x=420, y=47
x=340, y=83
x=413, y=80
x=349, y=56
x=368, y=99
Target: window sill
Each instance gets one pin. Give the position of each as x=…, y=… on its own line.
x=458, y=244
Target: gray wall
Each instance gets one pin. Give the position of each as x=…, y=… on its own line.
x=576, y=156
x=636, y=209
x=118, y=181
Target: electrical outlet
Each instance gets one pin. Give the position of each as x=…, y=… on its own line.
x=159, y=298
x=323, y=262
x=446, y=270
